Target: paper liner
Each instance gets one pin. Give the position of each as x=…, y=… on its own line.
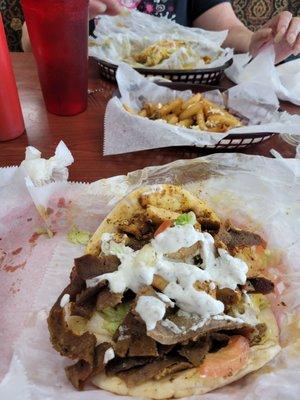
x=284, y=80
x=258, y=193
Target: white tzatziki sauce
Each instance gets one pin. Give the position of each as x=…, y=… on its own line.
x=108, y=355
x=137, y=269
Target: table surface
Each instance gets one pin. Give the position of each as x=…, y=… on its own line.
x=83, y=134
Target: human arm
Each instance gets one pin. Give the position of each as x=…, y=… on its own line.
x=222, y=17
x=283, y=30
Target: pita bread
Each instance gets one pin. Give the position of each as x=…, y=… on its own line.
x=186, y=383
x=165, y=197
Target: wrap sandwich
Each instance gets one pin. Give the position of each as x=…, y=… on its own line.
x=168, y=301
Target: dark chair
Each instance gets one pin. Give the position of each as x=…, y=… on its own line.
x=255, y=13
x=13, y=20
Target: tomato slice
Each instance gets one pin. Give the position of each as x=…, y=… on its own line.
x=162, y=227
x=228, y=360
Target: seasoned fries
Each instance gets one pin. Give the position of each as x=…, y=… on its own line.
x=195, y=113
x=161, y=50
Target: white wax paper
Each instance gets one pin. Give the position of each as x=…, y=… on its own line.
x=118, y=38
x=258, y=193
x=284, y=79
x=125, y=132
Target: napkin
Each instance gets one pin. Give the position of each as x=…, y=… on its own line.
x=40, y=171
x=284, y=79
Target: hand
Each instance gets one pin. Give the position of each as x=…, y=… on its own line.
x=109, y=7
x=284, y=31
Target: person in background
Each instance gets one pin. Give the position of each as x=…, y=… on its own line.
x=216, y=15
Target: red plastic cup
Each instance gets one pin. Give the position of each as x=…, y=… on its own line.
x=11, y=118
x=58, y=31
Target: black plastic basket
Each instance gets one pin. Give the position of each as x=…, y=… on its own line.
x=208, y=76
x=237, y=141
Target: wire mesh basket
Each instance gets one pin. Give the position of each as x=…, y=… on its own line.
x=207, y=76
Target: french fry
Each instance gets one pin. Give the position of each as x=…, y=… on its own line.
x=169, y=107
x=159, y=282
x=222, y=122
x=143, y=113
x=152, y=110
x=194, y=99
x=191, y=111
x=210, y=108
x=172, y=119
x=178, y=110
x=207, y=59
x=186, y=122
x=129, y=109
x=217, y=129
x=196, y=112
x=201, y=119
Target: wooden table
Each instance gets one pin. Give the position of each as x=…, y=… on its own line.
x=83, y=133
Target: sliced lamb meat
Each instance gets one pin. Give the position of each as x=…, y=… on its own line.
x=138, y=226
x=84, y=311
x=106, y=298
x=165, y=349
x=124, y=364
x=89, y=294
x=140, y=344
x=122, y=345
x=99, y=357
x=136, y=244
x=132, y=337
x=228, y=296
x=155, y=370
x=259, y=284
x=65, y=341
x=74, y=288
x=178, y=329
x=186, y=254
x=234, y=237
x=80, y=372
x=196, y=352
x=89, y=266
x=220, y=337
x=209, y=224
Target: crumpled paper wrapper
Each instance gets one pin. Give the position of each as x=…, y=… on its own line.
x=258, y=193
x=284, y=79
x=125, y=132
x=118, y=38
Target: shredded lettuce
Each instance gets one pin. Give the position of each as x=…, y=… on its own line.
x=44, y=231
x=185, y=219
x=113, y=317
x=78, y=237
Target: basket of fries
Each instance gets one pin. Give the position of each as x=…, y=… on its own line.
x=160, y=48
x=145, y=115
x=200, y=114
